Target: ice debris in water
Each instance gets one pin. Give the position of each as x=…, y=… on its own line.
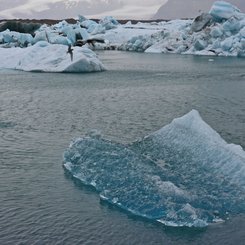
x=220, y=32
x=185, y=174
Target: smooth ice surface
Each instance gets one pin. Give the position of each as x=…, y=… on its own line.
x=45, y=57
x=185, y=174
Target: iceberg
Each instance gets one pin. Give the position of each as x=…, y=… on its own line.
x=232, y=25
x=218, y=33
x=61, y=33
x=184, y=174
x=223, y=10
x=201, y=21
x=109, y=22
x=227, y=44
x=137, y=43
x=200, y=44
x=20, y=39
x=92, y=27
x=207, y=34
x=45, y=57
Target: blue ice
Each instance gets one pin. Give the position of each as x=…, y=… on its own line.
x=185, y=174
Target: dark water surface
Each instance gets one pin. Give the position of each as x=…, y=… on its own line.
x=41, y=113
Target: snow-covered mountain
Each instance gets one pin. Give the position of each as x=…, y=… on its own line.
x=175, y=9
x=55, y=9
x=61, y=9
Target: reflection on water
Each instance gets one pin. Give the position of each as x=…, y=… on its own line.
x=140, y=93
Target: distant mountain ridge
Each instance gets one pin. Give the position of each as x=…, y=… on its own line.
x=57, y=10
x=175, y=9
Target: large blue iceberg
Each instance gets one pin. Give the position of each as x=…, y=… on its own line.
x=185, y=174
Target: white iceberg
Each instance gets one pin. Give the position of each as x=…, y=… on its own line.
x=109, y=22
x=61, y=33
x=220, y=32
x=221, y=35
x=20, y=39
x=216, y=32
x=45, y=57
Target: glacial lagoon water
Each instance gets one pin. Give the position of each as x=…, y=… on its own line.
x=140, y=93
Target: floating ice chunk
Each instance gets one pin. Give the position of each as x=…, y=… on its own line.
x=205, y=35
x=40, y=36
x=203, y=178
x=7, y=36
x=232, y=25
x=70, y=33
x=88, y=24
x=25, y=39
x=47, y=57
x=216, y=45
x=241, y=52
x=201, y=22
x=153, y=50
x=137, y=43
x=109, y=22
x=58, y=39
x=200, y=44
x=223, y=10
x=226, y=45
x=84, y=34
x=51, y=37
x=61, y=24
x=21, y=39
x=216, y=32
x=222, y=159
x=242, y=32
x=96, y=29
x=81, y=18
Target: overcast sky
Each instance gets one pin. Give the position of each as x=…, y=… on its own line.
x=71, y=8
